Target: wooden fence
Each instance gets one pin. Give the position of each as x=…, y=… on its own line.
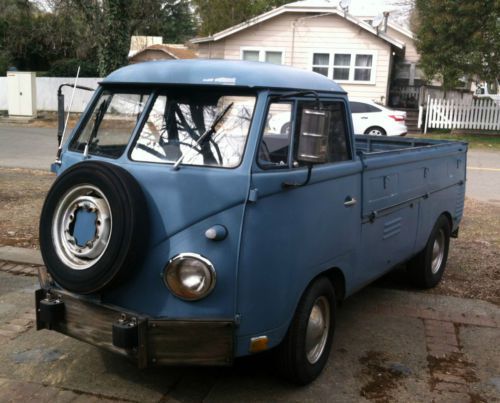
x=478, y=114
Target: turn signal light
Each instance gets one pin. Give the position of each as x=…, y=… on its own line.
x=258, y=344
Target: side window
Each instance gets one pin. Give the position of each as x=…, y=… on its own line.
x=322, y=135
x=357, y=107
x=275, y=144
x=361, y=107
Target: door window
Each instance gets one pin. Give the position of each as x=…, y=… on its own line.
x=275, y=144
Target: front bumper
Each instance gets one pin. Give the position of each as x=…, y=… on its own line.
x=156, y=341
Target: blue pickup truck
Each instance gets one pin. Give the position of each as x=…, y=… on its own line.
x=186, y=228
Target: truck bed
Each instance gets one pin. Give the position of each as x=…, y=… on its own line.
x=377, y=144
x=398, y=172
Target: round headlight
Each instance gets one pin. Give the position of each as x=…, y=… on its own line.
x=189, y=276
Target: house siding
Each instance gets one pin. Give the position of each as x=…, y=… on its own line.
x=328, y=33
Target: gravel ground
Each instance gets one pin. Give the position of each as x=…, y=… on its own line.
x=473, y=267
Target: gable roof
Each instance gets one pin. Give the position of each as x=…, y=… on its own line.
x=173, y=51
x=305, y=6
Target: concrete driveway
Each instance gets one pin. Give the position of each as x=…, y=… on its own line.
x=389, y=346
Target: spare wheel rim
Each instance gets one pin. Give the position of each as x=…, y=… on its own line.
x=82, y=200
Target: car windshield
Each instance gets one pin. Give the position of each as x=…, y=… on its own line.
x=108, y=130
x=204, y=129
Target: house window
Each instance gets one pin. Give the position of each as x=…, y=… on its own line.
x=345, y=67
x=251, y=55
x=363, y=68
x=321, y=63
x=260, y=55
x=341, y=66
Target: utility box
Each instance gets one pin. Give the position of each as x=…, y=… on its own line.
x=21, y=93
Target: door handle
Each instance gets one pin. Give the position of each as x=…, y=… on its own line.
x=350, y=201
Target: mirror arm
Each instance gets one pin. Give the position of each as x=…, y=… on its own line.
x=291, y=185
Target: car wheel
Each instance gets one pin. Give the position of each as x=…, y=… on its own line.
x=304, y=352
x=93, y=227
x=285, y=129
x=375, y=131
x=427, y=268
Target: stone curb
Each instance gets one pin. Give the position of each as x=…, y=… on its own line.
x=21, y=255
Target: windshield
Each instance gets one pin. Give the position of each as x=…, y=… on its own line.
x=108, y=131
x=200, y=129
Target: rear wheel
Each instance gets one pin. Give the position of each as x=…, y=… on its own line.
x=375, y=131
x=306, y=347
x=427, y=268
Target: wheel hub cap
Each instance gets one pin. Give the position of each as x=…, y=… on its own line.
x=318, y=327
x=81, y=227
x=438, y=252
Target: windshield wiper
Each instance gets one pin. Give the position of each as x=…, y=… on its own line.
x=207, y=134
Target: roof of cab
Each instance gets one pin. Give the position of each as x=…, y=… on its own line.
x=222, y=72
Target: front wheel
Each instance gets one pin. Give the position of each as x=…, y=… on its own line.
x=427, y=268
x=306, y=347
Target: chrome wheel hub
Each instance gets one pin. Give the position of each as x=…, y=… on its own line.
x=81, y=227
x=318, y=328
x=438, y=252
x=375, y=132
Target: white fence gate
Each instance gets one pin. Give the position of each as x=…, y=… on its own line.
x=478, y=114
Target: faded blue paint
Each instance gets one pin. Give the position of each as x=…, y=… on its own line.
x=85, y=227
x=281, y=239
x=222, y=72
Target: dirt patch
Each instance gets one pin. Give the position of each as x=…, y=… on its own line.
x=473, y=268
x=383, y=377
x=22, y=193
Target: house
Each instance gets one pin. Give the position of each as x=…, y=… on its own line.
x=162, y=52
x=316, y=35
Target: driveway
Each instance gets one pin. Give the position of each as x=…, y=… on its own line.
x=389, y=346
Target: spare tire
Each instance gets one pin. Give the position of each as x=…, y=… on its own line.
x=93, y=227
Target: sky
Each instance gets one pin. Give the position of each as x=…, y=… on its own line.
x=374, y=7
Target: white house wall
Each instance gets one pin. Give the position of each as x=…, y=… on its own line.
x=328, y=33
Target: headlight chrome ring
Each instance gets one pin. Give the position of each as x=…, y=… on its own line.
x=189, y=276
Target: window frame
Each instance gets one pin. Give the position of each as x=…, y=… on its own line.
x=352, y=66
x=296, y=101
x=163, y=90
x=262, y=52
x=328, y=66
x=89, y=112
x=293, y=112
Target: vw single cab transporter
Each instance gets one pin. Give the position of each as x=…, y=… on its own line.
x=206, y=210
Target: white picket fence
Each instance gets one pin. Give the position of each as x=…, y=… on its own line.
x=478, y=114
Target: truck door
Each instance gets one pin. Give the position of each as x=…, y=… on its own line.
x=303, y=216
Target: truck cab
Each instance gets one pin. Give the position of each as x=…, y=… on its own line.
x=187, y=227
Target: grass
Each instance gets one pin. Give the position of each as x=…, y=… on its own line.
x=477, y=141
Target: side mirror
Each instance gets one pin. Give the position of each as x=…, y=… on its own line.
x=313, y=136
